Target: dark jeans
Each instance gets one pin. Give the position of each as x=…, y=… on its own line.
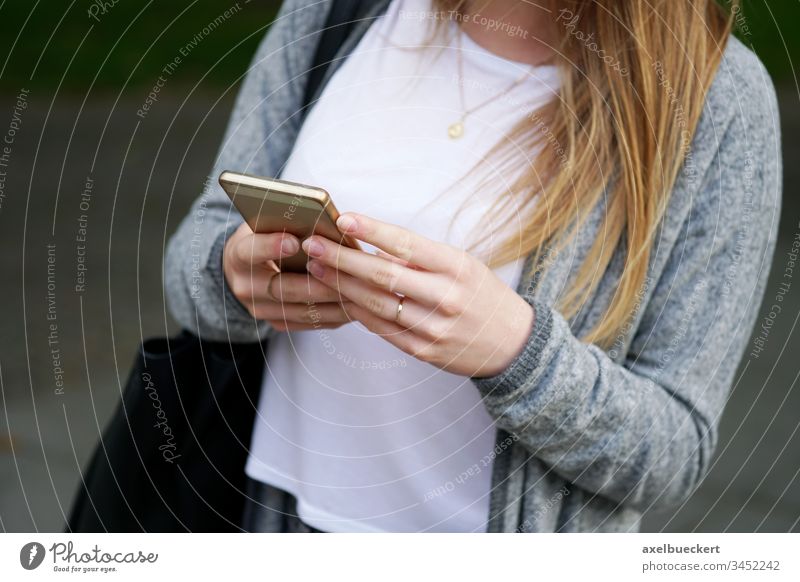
x=269, y=509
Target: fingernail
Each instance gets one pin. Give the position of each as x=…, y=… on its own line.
x=316, y=269
x=313, y=248
x=347, y=223
x=289, y=246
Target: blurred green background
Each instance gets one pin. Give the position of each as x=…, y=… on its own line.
x=86, y=78
x=60, y=43
x=56, y=42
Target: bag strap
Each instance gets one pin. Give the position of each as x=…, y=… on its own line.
x=338, y=26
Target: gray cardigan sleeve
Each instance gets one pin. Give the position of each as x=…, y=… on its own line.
x=642, y=432
x=258, y=139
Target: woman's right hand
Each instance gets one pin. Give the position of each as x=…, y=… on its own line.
x=287, y=301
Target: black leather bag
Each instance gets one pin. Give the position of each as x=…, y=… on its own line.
x=172, y=458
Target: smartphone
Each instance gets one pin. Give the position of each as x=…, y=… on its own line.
x=270, y=205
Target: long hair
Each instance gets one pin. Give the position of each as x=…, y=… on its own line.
x=634, y=75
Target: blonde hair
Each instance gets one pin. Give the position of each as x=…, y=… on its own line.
x=629, y=102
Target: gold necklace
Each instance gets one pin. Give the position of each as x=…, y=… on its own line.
x=456, y=129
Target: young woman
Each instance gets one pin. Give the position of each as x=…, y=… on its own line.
x=572, y=208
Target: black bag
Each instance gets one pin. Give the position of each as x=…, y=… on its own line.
x=172, y=458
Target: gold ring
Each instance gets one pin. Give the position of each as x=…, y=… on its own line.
x=399, y=309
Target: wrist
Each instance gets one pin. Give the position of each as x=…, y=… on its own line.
x=511, y=344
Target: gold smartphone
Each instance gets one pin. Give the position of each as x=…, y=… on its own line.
x=270, y=205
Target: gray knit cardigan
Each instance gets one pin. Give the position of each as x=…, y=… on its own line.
x=587, y=438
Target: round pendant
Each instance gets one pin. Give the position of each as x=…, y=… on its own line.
x=456, y=130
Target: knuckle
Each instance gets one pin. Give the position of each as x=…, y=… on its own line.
x=373, y=304
x=405, y=246
x=309, y=316
x=385, y=277
x=241, y=251
x=433, y=328
x=277, y=290
x=322, y=296
x=464, y=266
x=239, y=287
x=327, y=294
x=365, y=226
x=423, y=351
x=452, y=303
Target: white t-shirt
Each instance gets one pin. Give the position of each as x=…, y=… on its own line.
x=367, y=437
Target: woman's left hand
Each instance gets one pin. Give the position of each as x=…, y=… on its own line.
x=455, y=313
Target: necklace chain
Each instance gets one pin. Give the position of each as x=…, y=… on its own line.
x=456, y=129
